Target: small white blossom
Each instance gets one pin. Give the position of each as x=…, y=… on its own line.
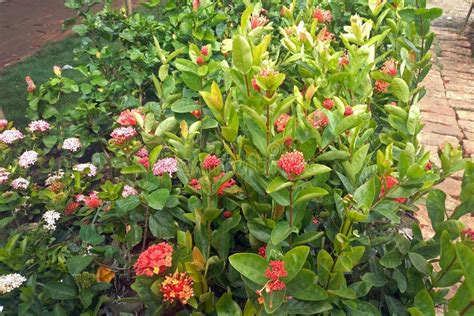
x=9, y=282
x=28, y=158
x=50, y=217
x=83, y=166
x=54, y=177
x=72, y=144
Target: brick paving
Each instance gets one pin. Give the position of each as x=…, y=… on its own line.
x=448, y=107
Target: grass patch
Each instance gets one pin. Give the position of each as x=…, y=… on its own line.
x=40, y=67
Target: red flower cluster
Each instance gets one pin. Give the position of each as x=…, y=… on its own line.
x=255, y=85
x=197, y=114
x=328, y=104
x=227, y=214
x=194, y=183
x=127, y=118
x=71, y=208
x=229, y=183
x=257, y=20
x=281, y=121
x=387, y=183
x=344, y=60
x=143, y=158
x=262, y=251
x=177, y=287
x=325, y=35
x=292, y=163
x=318, y=119
x=205, y=50
x=469, y=233
x=121, y=135
x=322, y=16
x=155, y=260
x=390, y=68
x=200, y=60
x=211, y=162
x=196, y=4
x=274, y=272
x=381, y=86
x=348, y=111
x=429, y=166
x=92, y=201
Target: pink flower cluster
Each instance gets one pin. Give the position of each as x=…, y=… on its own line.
x=72, y=144
x=3, y=123
x=129, y=191
x=4, y=174
x=257, y=20
x=39, y=126
x=143, y=158
x=20, y=184
x=127, y=117
x=281, y=121
x=122, y=135
x=10, y=136
x=211, y=162
x=165, y=165
x=28, y=158
x=318, y=119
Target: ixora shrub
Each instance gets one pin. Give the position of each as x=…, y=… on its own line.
x=265, y=163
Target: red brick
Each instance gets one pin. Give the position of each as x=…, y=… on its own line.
x=460, y=104
x=436, y=128
x=432, y=139
x=439, y=118
x=466, y=126
x=468, y=147
x=438, y=105
x=465, y=115
x=459, y=96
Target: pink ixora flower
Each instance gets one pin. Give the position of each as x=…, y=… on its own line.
x=10, y=136
x=28, y=158
x=39, y=126
x=129, y=191
x=381, y=86
x=328, y=104
x=3, y=123
x=211, y=162
x=4, y=174
x=165, y=165
x=31, y=87
x=90, y=168
x=281, y=121
x=257, y=20
x=127, y=117
x=72, y=144
x=196, y=4
x=292, y=163
x=468, y=233
x=122, y=135
x=318, y=119
x=20, y=184
x=322, y=16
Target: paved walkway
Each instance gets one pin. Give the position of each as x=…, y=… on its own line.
x=448, y=107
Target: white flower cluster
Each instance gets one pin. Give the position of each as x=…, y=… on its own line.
x=28, y=158
x=20, y=184
x=10, y=136
x=83, y=166
x=4, y=174
x=50, y=217
x=72, y=144
x=54, y=177
x=128, y=191
x=9, y=282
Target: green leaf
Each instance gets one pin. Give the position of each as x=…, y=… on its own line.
x=313, y=170
x=307, y=238
x=77, y=264
x=297, y=307
x=225, y=306
x=124, y=205
x=184, y=105
x=391, y=260
x=435, y=203
x=466, y=259
x=60, y=291
x=400, y=90
x=89, y=235
x=191, y=80
x=281, y=231
x=365, y=194
x=241, y=54
x=162, y=225
x=304, y=287
x=424, y=302
x=251, y=266
x=419, y=262
x=294, y=261
x=310, y=194
x=333, y=155
x=349, y=122
x=278, y=184
x=133, y=169
x=157, y=199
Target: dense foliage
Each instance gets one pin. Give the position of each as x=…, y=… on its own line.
x=234, y=158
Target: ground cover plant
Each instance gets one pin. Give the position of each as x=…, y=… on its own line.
x=228, y=158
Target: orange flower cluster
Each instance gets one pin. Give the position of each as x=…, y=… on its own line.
x=177, y=287
x=155, y=260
